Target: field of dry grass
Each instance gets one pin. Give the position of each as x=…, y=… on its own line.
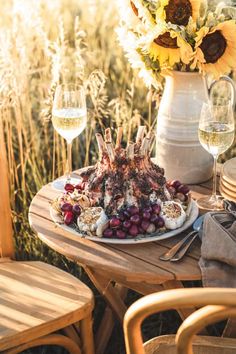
x=43, y=43
x=35, y=55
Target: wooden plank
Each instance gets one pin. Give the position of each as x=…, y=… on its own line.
x=186, y=269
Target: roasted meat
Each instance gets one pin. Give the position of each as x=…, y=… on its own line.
x=124, y=176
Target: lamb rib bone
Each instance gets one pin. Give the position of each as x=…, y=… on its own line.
x=101, y=143
x=108, y=135
x=110, y=151
x=144, y=146
x=140, y=134
x=119, y=137
x=130, y=151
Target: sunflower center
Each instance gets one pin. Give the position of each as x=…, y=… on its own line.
x=166, y=41
x=134, y=8
x=213, y=46
x=178, y=12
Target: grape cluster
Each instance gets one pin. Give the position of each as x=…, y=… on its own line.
x=70, y=188
x=70, y=211
x=133, y=221
x=178, y=190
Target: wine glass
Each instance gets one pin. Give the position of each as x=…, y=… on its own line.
x=216, y=135
x=69, y=118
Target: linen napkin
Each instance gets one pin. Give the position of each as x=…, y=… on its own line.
x=218, y=250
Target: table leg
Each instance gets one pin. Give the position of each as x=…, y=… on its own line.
x=114, y=295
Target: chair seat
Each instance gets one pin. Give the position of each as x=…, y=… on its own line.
x=201, y=345
x=38, y=298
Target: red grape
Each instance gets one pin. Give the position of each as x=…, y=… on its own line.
x=183, y=189
x=127, y=224
x=154, y=218
x=175, y=183
x=156, y=208
x=145, y=224
x=121, y=234
x=133, y=231
x=115, y=222
x=69, y=187
x=108, y=233
x=161, y=222
x=76, y=209
x=132, y=210
x=147, y=209
x=66, y=207
x=68, y=217
x=135, y=219
x=146, y=215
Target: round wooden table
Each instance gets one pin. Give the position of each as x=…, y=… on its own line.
x=114, y=268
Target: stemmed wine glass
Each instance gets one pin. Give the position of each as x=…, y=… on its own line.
x=69, y=118
x=216, y=135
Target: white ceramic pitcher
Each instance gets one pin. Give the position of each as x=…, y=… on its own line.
x=178, y=149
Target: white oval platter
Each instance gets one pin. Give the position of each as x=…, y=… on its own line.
x=192, y=216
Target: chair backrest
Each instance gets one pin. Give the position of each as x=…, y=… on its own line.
x=6, y=231
x=222, y=300
x=199, y=320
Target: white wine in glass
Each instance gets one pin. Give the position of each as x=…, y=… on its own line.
x=69, y=119
x=216, y=135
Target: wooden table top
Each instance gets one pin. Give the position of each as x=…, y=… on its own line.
x=135, y=262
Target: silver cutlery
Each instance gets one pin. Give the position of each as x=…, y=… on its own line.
x=167, y=256
x=180, y=254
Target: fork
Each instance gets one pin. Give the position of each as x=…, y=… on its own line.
x=171, y=253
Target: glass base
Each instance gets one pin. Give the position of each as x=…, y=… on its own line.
x=211, y=203
x=60, y=183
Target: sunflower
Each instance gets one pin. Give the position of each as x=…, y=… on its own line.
x=170, y=48
x=178, y=12
x=215, y=49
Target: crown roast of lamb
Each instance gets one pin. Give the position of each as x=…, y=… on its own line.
x=125, y=194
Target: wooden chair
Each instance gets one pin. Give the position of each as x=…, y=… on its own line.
x=39, y=304
x=221, y=304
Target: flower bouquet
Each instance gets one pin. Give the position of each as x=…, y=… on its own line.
x=181, y=40
x=183, y=35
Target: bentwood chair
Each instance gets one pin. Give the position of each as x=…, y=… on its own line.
x=39, y=304
x=216, y=304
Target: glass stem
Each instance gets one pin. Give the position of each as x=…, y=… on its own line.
x=68, y=162
x=214, y=177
